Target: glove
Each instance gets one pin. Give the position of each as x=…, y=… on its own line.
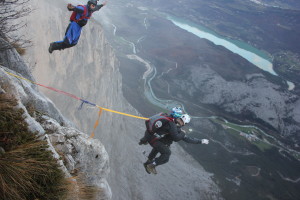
x=204, y=141
x=143, y=142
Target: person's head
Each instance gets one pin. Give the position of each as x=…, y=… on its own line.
x=92, y=4
x=183, y=120
x=176, y=112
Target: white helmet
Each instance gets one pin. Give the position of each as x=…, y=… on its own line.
x=185, y=118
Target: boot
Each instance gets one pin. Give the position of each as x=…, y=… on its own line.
x=51, y=49
x=145, y=165
x=151, y=168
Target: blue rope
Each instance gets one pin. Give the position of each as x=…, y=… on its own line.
x=83, y=102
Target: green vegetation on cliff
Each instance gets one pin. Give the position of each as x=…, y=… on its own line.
x=27, y=168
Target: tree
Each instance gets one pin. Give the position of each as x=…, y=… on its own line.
x=11, y=14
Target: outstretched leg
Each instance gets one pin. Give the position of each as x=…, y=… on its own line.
x=73, y=33
x=151, y=157
x=60, y=45
x=165, y=153
x=152, y=154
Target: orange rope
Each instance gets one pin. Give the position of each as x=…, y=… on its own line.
x=96, y=123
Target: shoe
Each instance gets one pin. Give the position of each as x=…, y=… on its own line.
x=151, y=168
x=145, y=165
x=51, y=47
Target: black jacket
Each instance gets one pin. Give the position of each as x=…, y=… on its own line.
x=168, y=133
x=169, y=140
x=161, y=126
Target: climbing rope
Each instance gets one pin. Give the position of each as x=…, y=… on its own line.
x=77, y=98
x=96, y=123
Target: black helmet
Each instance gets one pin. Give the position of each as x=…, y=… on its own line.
x=92, y=2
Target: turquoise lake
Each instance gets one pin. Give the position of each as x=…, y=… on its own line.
x=250, y=53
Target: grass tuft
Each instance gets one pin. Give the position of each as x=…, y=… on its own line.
x=19, y=48
x=85, y=191
x=27, y=169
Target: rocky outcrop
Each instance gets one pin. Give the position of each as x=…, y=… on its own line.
x=81, y=155
x=77, y=151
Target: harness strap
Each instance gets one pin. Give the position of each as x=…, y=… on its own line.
x=84, y=15
x=153, y=140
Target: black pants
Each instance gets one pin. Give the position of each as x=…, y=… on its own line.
x=163, y=149
x=62, y=45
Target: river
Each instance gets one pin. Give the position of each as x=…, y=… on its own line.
x=253, y=55
x=257, y=58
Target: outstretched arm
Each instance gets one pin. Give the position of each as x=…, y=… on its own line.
x=195, y=140
x=100, y=6
x=191, y=140
x=77, y=9
x=176, y=133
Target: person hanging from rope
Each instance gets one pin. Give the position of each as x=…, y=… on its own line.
x=79, y=18
x=161, y=131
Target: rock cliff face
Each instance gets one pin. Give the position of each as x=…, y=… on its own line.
x=91, y=71
x=78, y=151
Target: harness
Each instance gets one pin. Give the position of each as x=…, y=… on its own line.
x=83, y=16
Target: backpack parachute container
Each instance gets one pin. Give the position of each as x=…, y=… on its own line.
x=155, y=122
x=84, y=15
